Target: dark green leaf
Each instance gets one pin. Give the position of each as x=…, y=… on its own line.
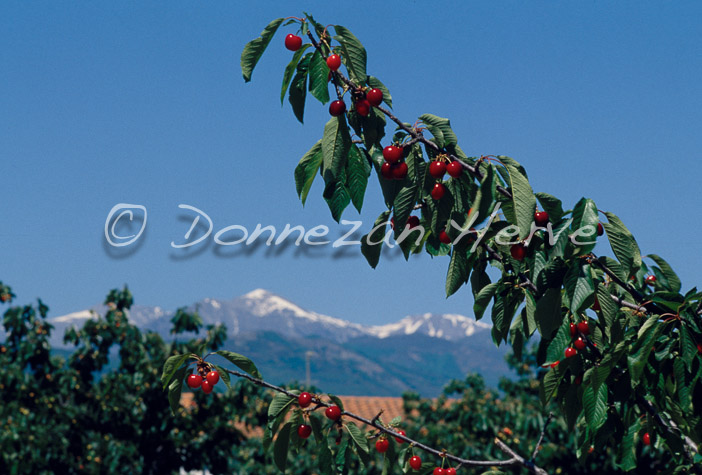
x=551, y=205
x=623, y=244
x=458, y=271
x=482, y=300
x=336, y=143
x=290, y=70
x=255, y=48
x=241, y=361
x=353, y=54
x=668, y=272
x=307, y=169
x=357, y=171
x=523, y=198
x=548, y=312
x=372, y=251
x=595, y=406
x=171, y=366
x=440, y=128
x=280, y=448
x=357, y=436
x=319, y=82
x=298, y=88
x=175, y=388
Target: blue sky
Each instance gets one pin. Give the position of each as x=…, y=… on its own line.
x=133, y=102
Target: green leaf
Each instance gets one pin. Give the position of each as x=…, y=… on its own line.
x=353, y=54
x=579, y=285
x=298, y=88
x=668, y=272
x=357, y=436
x=319, y=77
x=374, y=82
x=241, y=361
x=688, y=346
x=307, y=169
x=337, y=197
x=548, y=312
x=255, y=48
x=224, y=375
x=608, y=308
x=641, y=351
x=557, y=346
x=585, y=220
x=336, y=143
x=174, y=390
x=551, y=205
x=403, y=206
x=484, y=201
x=523, y=198
x=325, y=463
x=290, y=70
x=171, y=366
x=458, y=271
x=372, y=251
x=627, y=448
x=482, y=300
x=552, y=379
x=280, y=449
x=440, y=128
x=357, y=172
x=336, y=400
x=595, y=406
x=623, y=244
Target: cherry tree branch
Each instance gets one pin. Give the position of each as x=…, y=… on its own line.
x=515, y=458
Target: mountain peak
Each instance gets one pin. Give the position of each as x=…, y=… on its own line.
x=258, y=294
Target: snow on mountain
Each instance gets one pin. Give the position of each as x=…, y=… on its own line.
x=261, y=310
x=450, y=327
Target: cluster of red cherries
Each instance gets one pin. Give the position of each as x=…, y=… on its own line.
x=206, y=382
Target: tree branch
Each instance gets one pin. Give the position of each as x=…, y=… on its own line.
x=515, y=459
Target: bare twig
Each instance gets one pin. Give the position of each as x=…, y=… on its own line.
x=541, y=438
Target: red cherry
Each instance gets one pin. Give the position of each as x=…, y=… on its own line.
x=413, y=221
x=454, y=169
x=600, y=229
x=569, y=352
x=392, y=223
x=382, y=445
x=438, y=192
x=336, y=108
x=415, y=462
x=437, y=169
x=443, y=237
x=580, y=343
x=401, y=432
x=194, y=381
x=647, y=439
x=304, y=431
x=573, y=330
x=333, y=413
x=651, y=280
x=584, y=328
x=363, y=107
x=596, y=306
x=212, y=377
x=207, y=387
x=699, y=348
x=579, y=379
x=386, y=170
x=304, y=399
x=450, y=471
x=293, y=42
x=392, y=153
x=334, y=62
x=399, y=171
x=541, y=218
x=555, y=363
x=518, y=251
x=375, y=97
x=439, y=471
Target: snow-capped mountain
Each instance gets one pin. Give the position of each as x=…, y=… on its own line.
x=450, y=327
x=261, y=310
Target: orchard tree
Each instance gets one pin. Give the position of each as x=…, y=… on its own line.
x=620, y=343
